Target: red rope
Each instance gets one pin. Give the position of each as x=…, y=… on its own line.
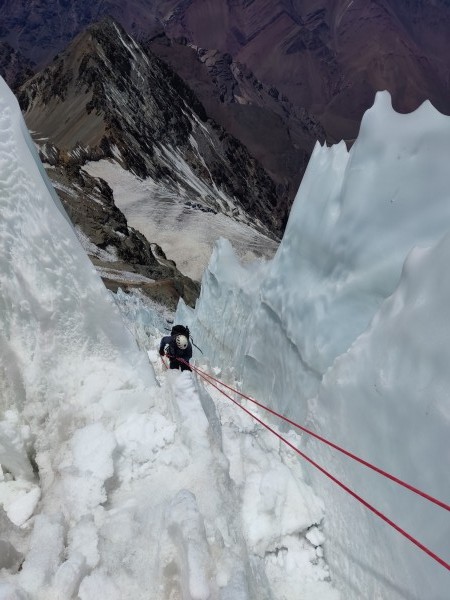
x=331, y=444
x=329, y=475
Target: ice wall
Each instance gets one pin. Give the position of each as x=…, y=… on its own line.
x=63, y=347
x=387, y=399
x=356, y=218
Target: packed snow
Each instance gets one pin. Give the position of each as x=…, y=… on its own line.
x=347, y=331
x=120, y=479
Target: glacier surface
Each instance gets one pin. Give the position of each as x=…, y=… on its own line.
x=346, y=331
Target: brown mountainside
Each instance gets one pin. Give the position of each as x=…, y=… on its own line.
x=332, y=56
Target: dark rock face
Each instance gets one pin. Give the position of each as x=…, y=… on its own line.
x=331, y=57
x=42, y=28
x=280, y=135
x=14, y=67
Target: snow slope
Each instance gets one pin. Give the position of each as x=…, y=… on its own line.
x=185, y=229
x=52, y=303
x=347, y=330
x=119, y=480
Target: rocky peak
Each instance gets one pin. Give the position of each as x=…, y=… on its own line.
x=106, y=97
x=251, y=110
x=315, y=65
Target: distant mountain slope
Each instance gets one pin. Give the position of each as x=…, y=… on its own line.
x=331, y=57
x=104, y=97
x=319, y=63
x=280, y=135
x=14, y=67
x=42, y=28
x=315, y=51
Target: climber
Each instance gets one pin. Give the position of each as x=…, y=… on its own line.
x=175, y=346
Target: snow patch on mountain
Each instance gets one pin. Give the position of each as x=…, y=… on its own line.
x=185, y=229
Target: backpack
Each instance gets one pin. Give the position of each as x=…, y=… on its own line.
x=180, y=330
x=183, y=330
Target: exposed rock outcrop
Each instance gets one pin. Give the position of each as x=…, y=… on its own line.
x=331, y=57
x=14, y=67
x=122, y=256
x=280, y=135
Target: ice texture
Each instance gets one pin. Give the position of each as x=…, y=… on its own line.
x=346, y=330
x=120, y=479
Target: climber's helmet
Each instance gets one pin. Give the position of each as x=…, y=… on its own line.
x=182, y=342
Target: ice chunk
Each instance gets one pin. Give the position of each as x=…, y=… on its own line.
x=13, y=454
x=44, y=555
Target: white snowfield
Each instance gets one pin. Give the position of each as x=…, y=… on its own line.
x=347, y=331
x=119, y=480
